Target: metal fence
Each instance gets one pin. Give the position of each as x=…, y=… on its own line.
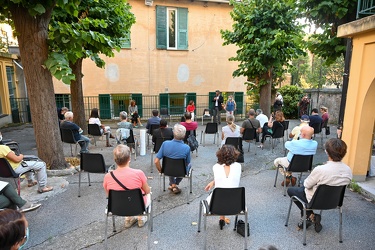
x=111, y=105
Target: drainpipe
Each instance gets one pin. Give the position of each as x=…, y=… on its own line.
x=345, y=83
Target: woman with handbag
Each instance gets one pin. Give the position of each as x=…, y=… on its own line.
x=227, y=174
x=272, y=125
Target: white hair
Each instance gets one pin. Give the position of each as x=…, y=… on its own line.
x=179, y=132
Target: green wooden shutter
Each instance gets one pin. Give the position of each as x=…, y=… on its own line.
x=164, y=101
x=182, y=36
x=189, y=97
x=105, y=106
x=161, y=27
x=238, y=97
x=138, y=100
x=211, y=96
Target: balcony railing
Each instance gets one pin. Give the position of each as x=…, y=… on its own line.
x=365, y=8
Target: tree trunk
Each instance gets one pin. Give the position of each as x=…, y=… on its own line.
x=76, y=92
x=265, y=95
x=32, y=39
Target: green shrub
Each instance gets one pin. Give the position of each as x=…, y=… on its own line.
x=291, y=95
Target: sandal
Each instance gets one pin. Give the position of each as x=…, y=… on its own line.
x=170, y=188
x=32, y=183
x=227, y=220
x=176, y=190
x=45, y=190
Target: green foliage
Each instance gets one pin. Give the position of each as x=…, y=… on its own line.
x=56, y=65
x=328, y=15
x=291, y=95
x=355, y=187
x=96, y=29
x=267, y=35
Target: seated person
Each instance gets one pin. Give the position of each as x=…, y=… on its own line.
x=133, y=112
x=188, y=123
x=155, y=119
x=304, y=146
x=227, y=173
x=94, y=119
x=333, y=173
x=21, y=166
x=124, y=127
x=61, y=112
x=14, y=230
x=294, y=134
x=272, y=125
x=175, y=149
x=10, y=199
x=162, y=132
x=262, y=118
x=252, y=122
x=77, y=132
x=130, y=178
x=230, y=130
x=315, y=118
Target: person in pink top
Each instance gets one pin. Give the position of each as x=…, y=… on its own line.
x=188, y=123
x=130, y=178
x=191, y=108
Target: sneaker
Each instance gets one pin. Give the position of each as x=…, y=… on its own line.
x=29, y=207
x=293, y=180
x=129, y=221
x=287, y=182
x=317, y=225
x=308, y=223
x=142, y=221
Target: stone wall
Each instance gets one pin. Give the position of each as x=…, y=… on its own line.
x=331, y=98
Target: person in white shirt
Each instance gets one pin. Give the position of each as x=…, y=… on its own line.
x=333, y=173
x=94, y=119
x=262, y=118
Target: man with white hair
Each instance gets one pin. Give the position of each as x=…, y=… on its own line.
x=77, y=131
x=262, y=118
x=174, y=149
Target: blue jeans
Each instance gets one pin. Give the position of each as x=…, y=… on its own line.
x=175, y=180
x=85, y=144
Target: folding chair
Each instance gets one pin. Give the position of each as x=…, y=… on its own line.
x=224, y=201
x=91, y=163
x=159, y=141
x=207, y=114
x=6, y=171
x=298, y=164
x=128, y=203
x=176, y=168
x=325, y=198
x=278, y=133
x=249, y=134
x=211, y=128
x=237, y=143
x=94, y=130
x=67, y=136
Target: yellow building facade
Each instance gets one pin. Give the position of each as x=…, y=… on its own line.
x=359, y=120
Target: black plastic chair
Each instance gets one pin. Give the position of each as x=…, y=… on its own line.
x=127, y=203
x=325, y=198
x=151, y=130
x=13, y=145
x=67, y=136
x=249, y=135
x=286, y=128
x=278, y=133
x=237, y=143
x=211, y=128
x=317, y=130
x=91, y=163
x=298, y=164
x=159, y=141
x=176, y=168
x=207, y=114
x=224, y=201
x=132, y=143
x=94, y=130
x=6, y=171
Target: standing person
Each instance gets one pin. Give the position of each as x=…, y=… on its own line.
x=217, y=107
x=14, y=230
x=230, y=130
x=333, y=173
x=227, y=174
x=94, y=119
x=230, y=106
x=77, y=132
x=133, y=112
x=130, y=178
x=303, y=105
x=325, y=116
x=279, y=101
x=175, y=149
x=262, y=118
x=10, y=199
x=21, y=166
x=191, y=108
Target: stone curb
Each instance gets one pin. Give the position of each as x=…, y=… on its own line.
x=62, y=172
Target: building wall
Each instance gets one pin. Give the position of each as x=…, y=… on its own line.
x=359, y=119
x=204, y=67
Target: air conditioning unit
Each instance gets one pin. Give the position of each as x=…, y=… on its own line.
x=149, y=2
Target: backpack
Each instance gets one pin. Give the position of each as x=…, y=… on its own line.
x=192, y=141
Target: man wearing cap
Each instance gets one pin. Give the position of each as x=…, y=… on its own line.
x=218, y=106
x=297, y=129
x=304, y=146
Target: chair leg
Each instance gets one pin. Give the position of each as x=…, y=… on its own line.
x=152, y=162
x=88, y=176
x=164, y=183
x=340, y=225
x=235, y=223
x=284, y=184
x=200, y=216
x=113, y=223
x=201, y=137
x=205, y=232
x=218, y=139
x=106, y=231
x=277, y=173
x=204, y=139
x=245, y=238
x=304, y=226
x=79, y=184
x=71, y=149
x=290, y=207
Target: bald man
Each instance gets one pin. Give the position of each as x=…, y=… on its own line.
x=304, y=146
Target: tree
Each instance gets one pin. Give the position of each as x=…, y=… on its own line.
x=267, y=36
x=98, y=28
x=31, y=19
x=291, y=95
x=328, y=15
